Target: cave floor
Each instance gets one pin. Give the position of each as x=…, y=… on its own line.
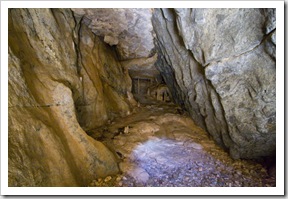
x=158, y=145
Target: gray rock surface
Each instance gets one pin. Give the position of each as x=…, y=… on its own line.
x=215, y=34
x=223, y=63
x=129, y=29
x=248, y=99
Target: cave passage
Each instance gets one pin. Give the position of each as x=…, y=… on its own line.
x=142, y=97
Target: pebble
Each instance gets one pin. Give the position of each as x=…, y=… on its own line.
x=200, y=169
x=126, y=130
x=239, y=172
x=107, y=179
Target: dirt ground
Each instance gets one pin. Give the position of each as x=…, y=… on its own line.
x=158, y=145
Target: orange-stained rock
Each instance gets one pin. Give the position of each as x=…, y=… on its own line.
x=50, y=93
x=105, y=83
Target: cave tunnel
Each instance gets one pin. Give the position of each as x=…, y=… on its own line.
x=142, y=97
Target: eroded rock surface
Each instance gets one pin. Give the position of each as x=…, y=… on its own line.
x=215, y=34
x=52, y=87
x=221, y=68
x=104, y=82
x=129, y=29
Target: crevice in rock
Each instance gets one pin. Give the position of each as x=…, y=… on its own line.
x=226, y=142
x=37, y=106
x=76, y=41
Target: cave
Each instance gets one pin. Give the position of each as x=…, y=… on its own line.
x=163, y=97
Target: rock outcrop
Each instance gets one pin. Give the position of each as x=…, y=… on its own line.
x=220, y=65
x=62, y=79
x=130, y=30
x=159, y=92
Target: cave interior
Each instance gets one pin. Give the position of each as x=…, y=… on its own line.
x=142, y=97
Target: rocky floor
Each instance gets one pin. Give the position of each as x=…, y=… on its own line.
x=158, y=145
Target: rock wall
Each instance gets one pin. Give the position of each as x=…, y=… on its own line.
x=129, y=30
x=104, y=82
x=60, y=75
x=220, y=65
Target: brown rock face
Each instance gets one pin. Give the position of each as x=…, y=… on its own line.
x=220, y=65
x=105, y=83
x=56, y=81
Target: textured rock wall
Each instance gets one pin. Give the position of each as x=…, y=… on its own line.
x=104, y=82
x=220, y=65
x=130, y=30
x=55, y=84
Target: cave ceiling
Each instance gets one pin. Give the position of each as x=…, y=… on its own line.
x=130, y=31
